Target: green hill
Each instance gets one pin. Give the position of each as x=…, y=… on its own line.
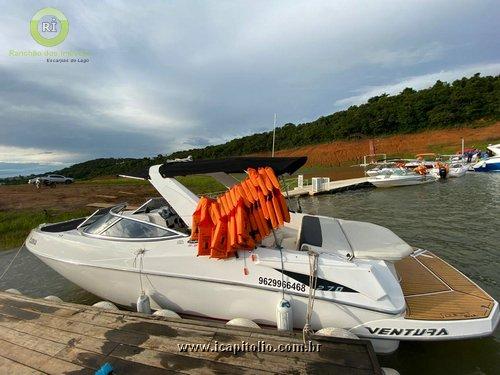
x=443, y=105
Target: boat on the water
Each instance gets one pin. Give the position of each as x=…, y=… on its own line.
x=490, y=164
x=366, y=279
x=401, y=177
x=457, y=169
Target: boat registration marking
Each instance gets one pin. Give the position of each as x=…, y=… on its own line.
x=278, y=283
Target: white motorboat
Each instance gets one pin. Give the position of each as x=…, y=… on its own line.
x=401, y=177
x=457, y=170
x=449, y=169
x=368, y=280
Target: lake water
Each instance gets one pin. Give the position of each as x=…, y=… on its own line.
x=458, y=219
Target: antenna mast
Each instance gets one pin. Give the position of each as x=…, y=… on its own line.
x=274, y=134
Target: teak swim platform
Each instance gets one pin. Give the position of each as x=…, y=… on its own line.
x=44, y=337
x=436, y=291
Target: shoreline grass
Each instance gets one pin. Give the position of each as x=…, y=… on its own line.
x=16, y=225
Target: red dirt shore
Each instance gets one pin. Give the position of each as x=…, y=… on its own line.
x=442, y=141
x=70, y=197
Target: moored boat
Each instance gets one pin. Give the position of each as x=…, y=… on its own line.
x=457, y=170
x=490, y=164
x=401, y=177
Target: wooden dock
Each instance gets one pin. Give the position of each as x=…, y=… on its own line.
x=43, y=337
x=332, y=187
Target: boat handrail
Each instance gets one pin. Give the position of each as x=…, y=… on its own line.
x=146, y=204
x=104, y=210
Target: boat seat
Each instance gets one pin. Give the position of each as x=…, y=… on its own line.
x=156, y=219
x=311, y=231
x=287, y=236
x=363, y=240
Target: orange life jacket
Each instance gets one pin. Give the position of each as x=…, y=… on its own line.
x=205, y=227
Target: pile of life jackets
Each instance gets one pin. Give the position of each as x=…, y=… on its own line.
x=421, y=169
x=240, y=218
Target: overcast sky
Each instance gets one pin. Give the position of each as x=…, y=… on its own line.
x=170, y=75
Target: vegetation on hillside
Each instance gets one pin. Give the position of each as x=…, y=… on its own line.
x=443, y=105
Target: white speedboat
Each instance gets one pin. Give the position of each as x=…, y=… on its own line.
x=449, y=169
x=401, y=177
x=457, y=170
x=368, y=280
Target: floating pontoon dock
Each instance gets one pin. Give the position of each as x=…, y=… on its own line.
x=332, y=187
x=40, y=336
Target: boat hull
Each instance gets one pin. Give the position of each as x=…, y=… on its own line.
x=205, y=299
x=394, y=181
x=489, y=165
x=457, y=172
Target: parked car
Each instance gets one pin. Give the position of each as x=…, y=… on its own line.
x=52, y=180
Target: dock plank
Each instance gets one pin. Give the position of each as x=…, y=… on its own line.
x=41, y=362
x=8, y=366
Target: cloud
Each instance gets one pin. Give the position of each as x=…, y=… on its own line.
x=25, y=169
x=20, y=155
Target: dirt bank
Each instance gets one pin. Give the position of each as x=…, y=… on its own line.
x=70, y=197
x=446, y=141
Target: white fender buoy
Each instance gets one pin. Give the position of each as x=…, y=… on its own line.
x=143, y=305
x=166, y=313
x=13, y=291
x=284, y=318
x=106, y=305
x=336, y=332
x=242, y=322
x=53, y=298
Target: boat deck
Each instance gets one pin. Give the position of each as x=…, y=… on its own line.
x=434, y=290
x=44, y=337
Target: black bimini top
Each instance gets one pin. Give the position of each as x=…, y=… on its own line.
x=280, y=165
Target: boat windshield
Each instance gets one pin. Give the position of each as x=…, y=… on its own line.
x=399, y=172
x=101, y=223
x=115, y=225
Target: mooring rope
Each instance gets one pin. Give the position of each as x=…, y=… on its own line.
x=280, y=248
x=12, y=261
x=282, y=274
x=313, y=282
x=139, y=254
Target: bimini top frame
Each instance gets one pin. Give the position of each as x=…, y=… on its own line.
x=184, y=201
x=280, y=166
